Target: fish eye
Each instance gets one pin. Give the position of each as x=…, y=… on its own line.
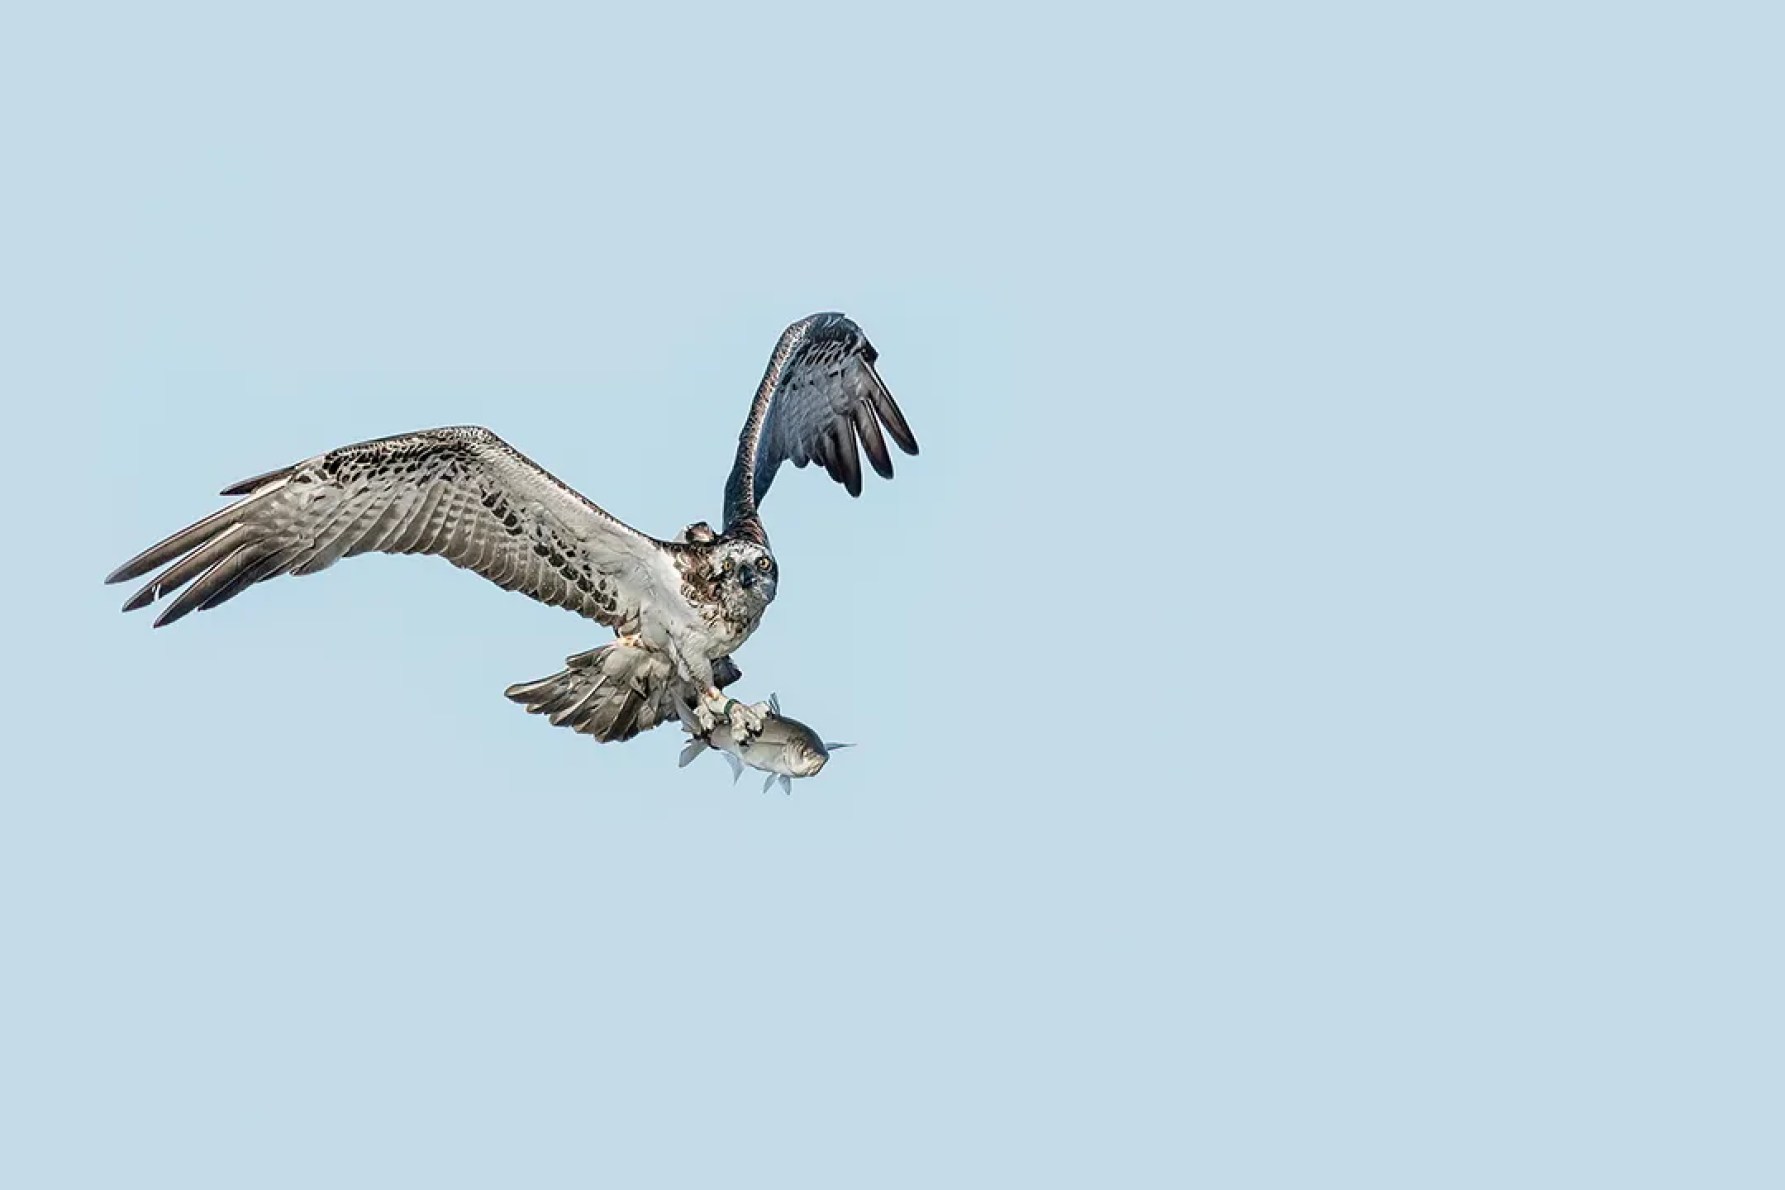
x=764, y=564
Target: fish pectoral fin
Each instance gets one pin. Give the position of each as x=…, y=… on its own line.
x=786, y=783
x=769, y=784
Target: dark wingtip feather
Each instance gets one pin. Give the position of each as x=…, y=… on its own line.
x=218, y=580
x=825, y=455
x=153, y=558
x=867, y=428
x=895, y=424
x=143, y=598
x=244, y=487
x=848, y=458
x=893, y=417
x=254, y=571
x=184, y=542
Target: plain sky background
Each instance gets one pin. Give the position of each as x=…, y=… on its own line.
x=1319, y=690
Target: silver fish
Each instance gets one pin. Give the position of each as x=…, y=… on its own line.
x=784, y=749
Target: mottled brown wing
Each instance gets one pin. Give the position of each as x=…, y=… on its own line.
x=460, y=493
x=820, y=401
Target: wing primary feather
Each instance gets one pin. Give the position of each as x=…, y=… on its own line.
x=264, y=566
x=208, y=584
x=892, y=417
x=186, y=569
x=244, y=487
x=873, y=444
x=848, y=461
x=186, y=540
x=831, y=455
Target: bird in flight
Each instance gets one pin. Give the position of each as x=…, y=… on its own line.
x=678, y=608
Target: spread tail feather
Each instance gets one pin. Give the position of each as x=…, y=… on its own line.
x=611, y=693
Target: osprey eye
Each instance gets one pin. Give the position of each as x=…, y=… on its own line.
x=731, y=564
x=764, y=565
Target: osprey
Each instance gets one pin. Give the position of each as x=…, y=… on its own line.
x=678, y=608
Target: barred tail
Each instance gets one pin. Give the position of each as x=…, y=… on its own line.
x=611, y=693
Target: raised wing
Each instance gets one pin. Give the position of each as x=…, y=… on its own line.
x=819, y=399
x=461, y=493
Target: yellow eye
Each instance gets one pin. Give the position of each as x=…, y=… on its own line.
x=763, y=564
x=731, y=564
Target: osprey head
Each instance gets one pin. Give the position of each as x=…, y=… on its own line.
x=744, y=573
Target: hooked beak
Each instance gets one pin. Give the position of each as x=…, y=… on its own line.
x=747, y=577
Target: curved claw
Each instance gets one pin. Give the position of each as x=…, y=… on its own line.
x=703, y=720
x=745, y=720
x=714, y=710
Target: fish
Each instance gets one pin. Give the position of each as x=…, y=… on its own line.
x=784, y=749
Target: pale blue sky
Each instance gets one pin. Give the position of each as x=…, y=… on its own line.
x=1319, y=689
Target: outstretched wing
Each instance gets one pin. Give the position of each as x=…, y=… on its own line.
x=461, y=493
x=819, y=397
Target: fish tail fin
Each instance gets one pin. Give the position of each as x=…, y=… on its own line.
x=694, y=748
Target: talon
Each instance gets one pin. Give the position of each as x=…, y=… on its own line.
x=745, y=720
x=707, y=710
x=715, y=709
